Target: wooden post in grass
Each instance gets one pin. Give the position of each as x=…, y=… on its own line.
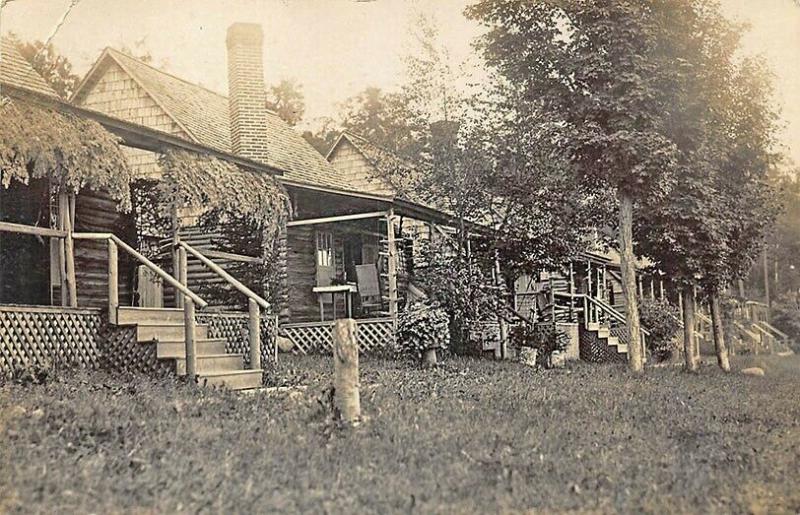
x=346, y=399
x=429, y=358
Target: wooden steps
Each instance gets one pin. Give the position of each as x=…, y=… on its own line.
x=177, y=349
x=212, y=363
x=604, y=337
x=164, y=328
x=234, y=380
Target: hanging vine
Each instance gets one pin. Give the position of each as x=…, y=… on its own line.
x=252, y=207
x=191, y=180
x=74, y=153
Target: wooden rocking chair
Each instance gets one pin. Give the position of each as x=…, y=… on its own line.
x=369, y=289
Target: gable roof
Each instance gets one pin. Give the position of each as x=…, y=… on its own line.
x=203, y=115
x=15, y=70
x=390, y=168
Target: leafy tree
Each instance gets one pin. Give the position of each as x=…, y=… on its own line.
x=602, y=76
x=287, y=100
x=324, y=136
x=378, y=116
x=710, y=227
x=784, y=245
x=53, y=67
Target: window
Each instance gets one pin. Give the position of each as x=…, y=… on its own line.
x=324, y=249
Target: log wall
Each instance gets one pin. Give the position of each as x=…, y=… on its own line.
x=97, y=212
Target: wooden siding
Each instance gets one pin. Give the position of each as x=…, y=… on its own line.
x=359, y=173
x=116, y=94
x=97, y=212
x=301, y=264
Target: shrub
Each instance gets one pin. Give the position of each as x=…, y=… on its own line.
x=786, y=317
x=461, y=289
x=542, y=337
x=422, y=326
x=662, y=320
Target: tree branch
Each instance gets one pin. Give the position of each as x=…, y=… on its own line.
x=55, y=30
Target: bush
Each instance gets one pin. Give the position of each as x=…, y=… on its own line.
x=422, y=326
x=662, y=320
x=461, y=289
x=542, y=337
x=786, y=317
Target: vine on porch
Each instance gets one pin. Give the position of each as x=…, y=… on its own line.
x=253, y=207
x=38, y=142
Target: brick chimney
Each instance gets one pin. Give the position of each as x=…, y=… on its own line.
x=246, y=92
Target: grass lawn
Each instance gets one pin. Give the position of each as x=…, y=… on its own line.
x=473, y=436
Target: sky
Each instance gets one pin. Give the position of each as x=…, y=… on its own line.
x=336, y=48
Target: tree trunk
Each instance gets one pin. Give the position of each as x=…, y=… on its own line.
x=429, y=358
x=345, y=368
x=628, y=269
x=766, y=284
x=719, y=334
x=688, y=330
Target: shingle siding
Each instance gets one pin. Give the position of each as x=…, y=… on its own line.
x=354, y=169
x=117, y=94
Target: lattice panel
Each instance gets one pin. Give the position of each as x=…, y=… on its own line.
x=621, y=332
x=316, y=337
x=121, y=351
x=597, y=350
x=45, y=337
x=233, y=327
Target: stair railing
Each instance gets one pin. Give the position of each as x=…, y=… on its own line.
x=115, y=243
x=254, y=301
x=596, y=308
x=190, y=298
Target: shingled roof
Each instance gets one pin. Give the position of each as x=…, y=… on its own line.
x=203, y=115
x=16, y=71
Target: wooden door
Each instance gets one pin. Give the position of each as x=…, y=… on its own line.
x=326, y=266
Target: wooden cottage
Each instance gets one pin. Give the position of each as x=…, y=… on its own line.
x=68, y=256
x=346, y=217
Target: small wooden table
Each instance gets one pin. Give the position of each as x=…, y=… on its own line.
x=346, y=289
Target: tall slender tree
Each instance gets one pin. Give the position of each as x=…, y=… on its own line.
x=709, y=229
x=603, y=77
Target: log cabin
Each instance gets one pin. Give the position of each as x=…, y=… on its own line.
x=342, y=239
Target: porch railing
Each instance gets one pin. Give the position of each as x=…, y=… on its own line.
x=576, y=307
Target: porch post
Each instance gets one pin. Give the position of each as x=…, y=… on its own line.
x=588, y=316
x=392, y=267
x=113, y=282
x=69, y=296
x=176, y=259
x=571, y=288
